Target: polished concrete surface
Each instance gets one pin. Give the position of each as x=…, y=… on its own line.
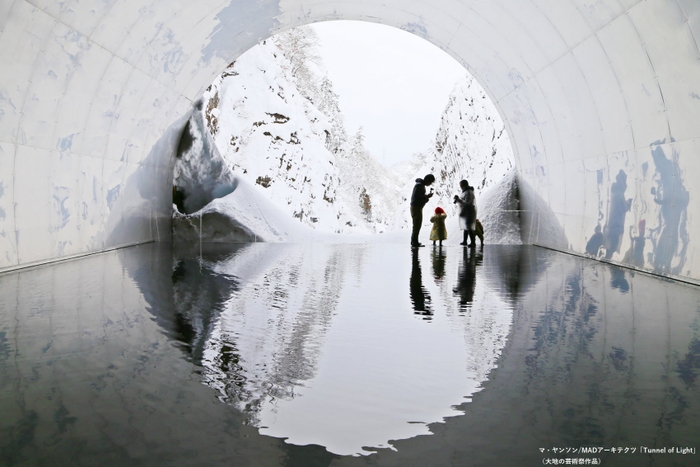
x=354, y=354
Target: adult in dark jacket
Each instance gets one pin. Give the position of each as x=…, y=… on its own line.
x=418, y=199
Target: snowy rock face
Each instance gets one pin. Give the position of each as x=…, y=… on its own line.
x=273, y=121
x=471, y=143
x=277, y=124
x=201, y=174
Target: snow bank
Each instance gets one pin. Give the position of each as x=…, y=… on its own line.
x=500, y=212
x=245, y=215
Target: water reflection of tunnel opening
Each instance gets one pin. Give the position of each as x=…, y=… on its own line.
x=218, y=301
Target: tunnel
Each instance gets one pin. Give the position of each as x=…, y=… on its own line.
x=600, y=99
x=142, y=355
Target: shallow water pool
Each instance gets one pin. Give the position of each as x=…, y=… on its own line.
x=355, y=354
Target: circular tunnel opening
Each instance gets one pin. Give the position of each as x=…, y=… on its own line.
x=601, y=103
x=294, y=142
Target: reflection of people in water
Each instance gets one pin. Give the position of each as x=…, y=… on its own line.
x=466, y=280
x=635, y=254
x=596, y=241
x=420, y=298
x=617, y=279
x=671, y=238
x=438, y=257
x=616, y=215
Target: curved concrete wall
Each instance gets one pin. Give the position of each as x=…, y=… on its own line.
x=601, y=99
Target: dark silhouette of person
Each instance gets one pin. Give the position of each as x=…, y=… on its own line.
x=466, y=279
x=419, y=198
x=635, y=253
x=618, y=280
x=595, y=242
x=420, y=298
x=467, y=212
x=616, y=216
x=673, y=198
x=438, y=257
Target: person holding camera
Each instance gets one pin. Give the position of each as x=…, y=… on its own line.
x=467, y=212
x=419, y=198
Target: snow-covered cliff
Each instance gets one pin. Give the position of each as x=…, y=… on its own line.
x=471, y=143
x=273, y=121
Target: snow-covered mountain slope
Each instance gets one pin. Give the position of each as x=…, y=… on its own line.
x=273, y=136
x=471, y=143
x=276, y=123
x=272, y=121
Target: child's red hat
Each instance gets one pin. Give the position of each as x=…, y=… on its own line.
x=439, y=210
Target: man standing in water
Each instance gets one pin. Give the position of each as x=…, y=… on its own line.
x=418, y=199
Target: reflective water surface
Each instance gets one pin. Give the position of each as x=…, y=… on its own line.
x=299, y=338
x=373, y=354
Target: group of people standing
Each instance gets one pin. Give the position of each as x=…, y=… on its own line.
x=467, y=213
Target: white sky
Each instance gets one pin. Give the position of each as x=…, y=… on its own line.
x=390, y=82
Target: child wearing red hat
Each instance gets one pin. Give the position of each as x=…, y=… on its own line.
x=439, y=231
